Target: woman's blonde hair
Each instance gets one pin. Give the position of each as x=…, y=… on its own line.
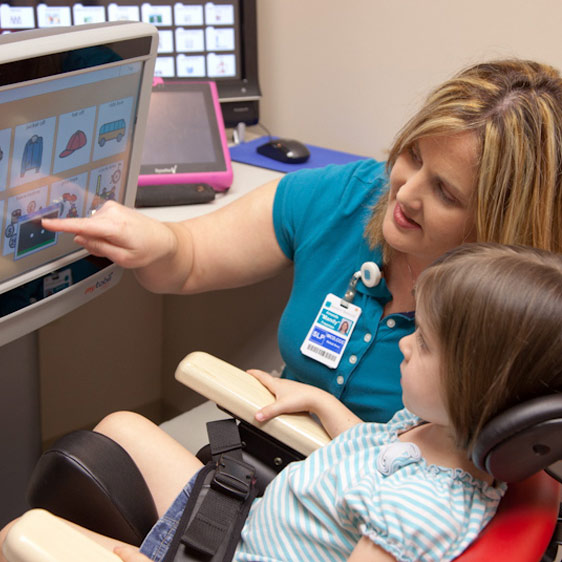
x=515, y=109
x=496, y=312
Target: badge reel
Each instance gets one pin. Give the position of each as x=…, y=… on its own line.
x=331, y=330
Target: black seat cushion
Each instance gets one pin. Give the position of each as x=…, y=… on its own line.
x=89, y=479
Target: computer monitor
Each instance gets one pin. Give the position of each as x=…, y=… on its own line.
x=199, y=40
x=73, y=107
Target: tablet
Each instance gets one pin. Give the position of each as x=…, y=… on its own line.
x=185, y=140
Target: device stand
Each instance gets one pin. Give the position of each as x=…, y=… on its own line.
x=20, y=438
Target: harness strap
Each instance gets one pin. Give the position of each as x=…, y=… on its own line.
x=224, y=438
x=210, y=526
x=215, y=517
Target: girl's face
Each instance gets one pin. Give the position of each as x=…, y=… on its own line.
x=422, y=389
x=431, y=188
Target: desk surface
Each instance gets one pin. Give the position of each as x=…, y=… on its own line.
x=245, y=179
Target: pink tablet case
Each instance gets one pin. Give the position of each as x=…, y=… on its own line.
x=219, y=180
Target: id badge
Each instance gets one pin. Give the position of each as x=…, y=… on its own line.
x=330, y=332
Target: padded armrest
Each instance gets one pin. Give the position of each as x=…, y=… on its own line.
x=39, y=536
x=242, y=395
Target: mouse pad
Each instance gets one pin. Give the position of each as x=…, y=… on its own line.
x=246, y=153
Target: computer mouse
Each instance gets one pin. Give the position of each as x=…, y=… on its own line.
x=285, y=150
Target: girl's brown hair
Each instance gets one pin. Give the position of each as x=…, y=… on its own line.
x=496, y=312
x=515, y=109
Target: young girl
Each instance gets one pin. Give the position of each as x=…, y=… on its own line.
x=487, y=337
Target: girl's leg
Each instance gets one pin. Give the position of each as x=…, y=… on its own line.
x=165, y=464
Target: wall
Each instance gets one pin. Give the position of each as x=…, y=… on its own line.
x=237, y=325
x=20, y=440
x=104, y=356
x=121, y=350
x=347, y=75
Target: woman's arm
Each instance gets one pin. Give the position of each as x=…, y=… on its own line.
x=233, y=246
x=367, y=551
x=292, y=397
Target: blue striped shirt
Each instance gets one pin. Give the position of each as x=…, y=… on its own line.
x=319, y=509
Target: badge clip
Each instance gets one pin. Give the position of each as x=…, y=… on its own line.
x=369, y=273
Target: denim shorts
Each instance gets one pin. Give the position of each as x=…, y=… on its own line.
x=157, y=542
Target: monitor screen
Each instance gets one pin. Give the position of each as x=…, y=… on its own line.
x=178, y=131
x=198, y=39
x=72, y=106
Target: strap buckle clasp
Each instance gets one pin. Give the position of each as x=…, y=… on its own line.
x=233, y=476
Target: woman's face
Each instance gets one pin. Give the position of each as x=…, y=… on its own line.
x=430, y=205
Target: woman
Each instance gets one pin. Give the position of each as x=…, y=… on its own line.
x=480, y=161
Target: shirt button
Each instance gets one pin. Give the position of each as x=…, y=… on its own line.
x=367, y=338
x=353, y=359
x=339, y=380
x=391, y=322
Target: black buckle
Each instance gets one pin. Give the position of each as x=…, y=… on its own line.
x=233, y=476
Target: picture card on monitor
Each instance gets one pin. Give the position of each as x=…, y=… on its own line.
x=185, y=141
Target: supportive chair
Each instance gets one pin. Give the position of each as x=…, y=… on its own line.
x=89, y=479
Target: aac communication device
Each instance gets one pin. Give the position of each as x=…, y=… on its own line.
x=73, y=106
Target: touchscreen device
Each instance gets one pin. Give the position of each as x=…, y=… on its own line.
x=73, y=106
x=185, y=140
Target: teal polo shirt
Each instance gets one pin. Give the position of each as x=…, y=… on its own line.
x=319, y=218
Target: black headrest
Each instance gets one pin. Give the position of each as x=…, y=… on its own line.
x=522, y=440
